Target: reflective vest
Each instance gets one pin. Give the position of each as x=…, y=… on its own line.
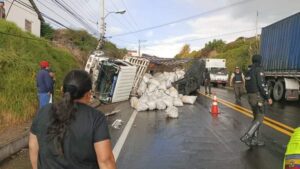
x=237, y=77
x=292, y=154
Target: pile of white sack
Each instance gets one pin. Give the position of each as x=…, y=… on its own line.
x=156, y=93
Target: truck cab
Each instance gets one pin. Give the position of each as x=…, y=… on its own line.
x=218, y=71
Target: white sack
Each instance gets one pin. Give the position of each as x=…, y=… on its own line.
x=168, y=84
x=144, y=98
x=172, y=112
x=151, y=105
x=177, y=102
x=154, y=82
x=189, y=99
x=162, y=85
x=173, y=92
x=141, y=106
x=168, y=101
x=151, y=102
x=151, y=88
x=160, y=105
x=157, y=75
x=142, y=88
x=179, y=74
x=134, y=102
x=180, y=96
x=171, y=77
x=147, y=77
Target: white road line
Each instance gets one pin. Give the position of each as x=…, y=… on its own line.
x=118, y=147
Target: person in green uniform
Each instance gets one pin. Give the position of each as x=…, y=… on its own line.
x=258, y=97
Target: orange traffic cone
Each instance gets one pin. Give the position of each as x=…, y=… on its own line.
x=214, y=107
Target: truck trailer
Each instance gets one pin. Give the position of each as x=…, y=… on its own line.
x=280, y=51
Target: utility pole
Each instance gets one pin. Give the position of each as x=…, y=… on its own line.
x=256, y=33
x=102, y=25
x=139, y=49
x=256, y=26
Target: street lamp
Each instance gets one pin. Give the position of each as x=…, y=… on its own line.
x=103, y=25
x=118, y=12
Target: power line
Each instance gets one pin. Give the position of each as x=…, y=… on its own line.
x=125, y=18
x=208, y=37
x=183, y=19
x=21, y=7
x=71, y=11
x=88, y=12
x=129, y=13
x=55, y=13
x=30, y=8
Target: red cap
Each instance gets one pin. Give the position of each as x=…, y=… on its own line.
x=44, y=64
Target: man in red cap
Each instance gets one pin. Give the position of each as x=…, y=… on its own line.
x=44, y=84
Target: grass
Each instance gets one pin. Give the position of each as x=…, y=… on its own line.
x=19, y=63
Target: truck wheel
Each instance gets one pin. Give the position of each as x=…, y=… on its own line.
x=278, y=90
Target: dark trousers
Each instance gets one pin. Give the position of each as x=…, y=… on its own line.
x=207, y=85
x=238, y=90
x=259, y=107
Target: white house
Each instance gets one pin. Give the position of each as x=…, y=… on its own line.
x=132, y=53
x=25, y=14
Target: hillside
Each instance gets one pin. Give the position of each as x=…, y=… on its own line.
x=237, y=53
x=81, y=44
x=20, y=54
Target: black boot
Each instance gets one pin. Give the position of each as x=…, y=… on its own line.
x=255, y=141
x=247, y=138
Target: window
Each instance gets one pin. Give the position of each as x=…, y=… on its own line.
x=27, y=25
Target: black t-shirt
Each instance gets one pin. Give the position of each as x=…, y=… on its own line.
x=88, y=127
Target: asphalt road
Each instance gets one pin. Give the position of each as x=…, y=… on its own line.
x=196, y=140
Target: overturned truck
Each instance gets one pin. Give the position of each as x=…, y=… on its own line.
x=193, y=78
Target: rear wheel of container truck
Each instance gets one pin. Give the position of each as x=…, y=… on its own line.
x=279, y=90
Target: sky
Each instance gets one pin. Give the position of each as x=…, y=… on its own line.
x=200, y=20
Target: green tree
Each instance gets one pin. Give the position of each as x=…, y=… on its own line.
x=113, y=51
x=184, y=53
x=47, y=31
x=217, y=45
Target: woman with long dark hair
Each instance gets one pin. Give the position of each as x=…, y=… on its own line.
x=70, y=134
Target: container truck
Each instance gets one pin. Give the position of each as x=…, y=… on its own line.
x=280, y=51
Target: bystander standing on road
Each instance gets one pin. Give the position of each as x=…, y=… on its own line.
x=206, y=77
x=70, y=134
x=258, y=97
x=44, y=84
x=2, y=10
x=237, y=80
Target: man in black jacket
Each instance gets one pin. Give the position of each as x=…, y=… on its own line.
x=258, y=97
x=206, y=77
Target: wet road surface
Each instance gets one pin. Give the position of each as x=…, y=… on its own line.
x=195, y=140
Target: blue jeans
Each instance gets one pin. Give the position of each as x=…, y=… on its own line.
x=44, y=99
